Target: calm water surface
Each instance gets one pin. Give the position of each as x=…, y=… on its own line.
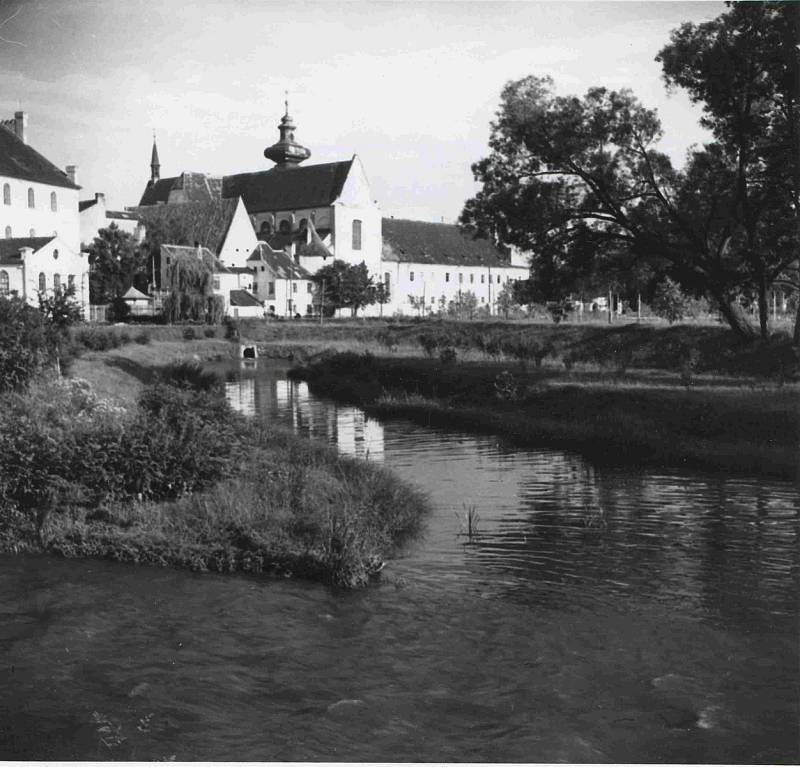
x=597, y=615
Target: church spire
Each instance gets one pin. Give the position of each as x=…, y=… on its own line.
x=155, y=165
x=286, y=152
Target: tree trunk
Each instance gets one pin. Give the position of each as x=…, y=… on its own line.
x=734, y=316
x=763, y=308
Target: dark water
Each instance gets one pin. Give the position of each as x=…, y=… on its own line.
x=596, y=615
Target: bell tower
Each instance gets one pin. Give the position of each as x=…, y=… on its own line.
x=286, y=153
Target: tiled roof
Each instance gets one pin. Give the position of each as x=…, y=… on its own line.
x=279, y=262
x=18, y=160
x=10, y=247
x=421, y=242
x=243, y=298
x=84, y=204
x=188, y=251
x=197, y=187
x=312, y=186
x=204, y=222
x=240, y=269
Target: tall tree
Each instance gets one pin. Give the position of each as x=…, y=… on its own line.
x=744, y=69
x=345, y=286
x=115, y=263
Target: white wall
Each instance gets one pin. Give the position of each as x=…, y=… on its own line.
x=64, y=220
x=93, y=219
x=240, y=240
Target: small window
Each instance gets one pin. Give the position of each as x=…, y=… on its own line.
x=483, y=278
x=32, y=233
x=53, y=202
x=55, y=253
x=386, y=277
x=447, y=276
x=31, y=198
x=498, y=278
x=411, y=276
x=71, y=282
x=266, y=229
x=309, y=289
x=461, y=277
x=56, y=283
x=303, y=224
x=270, y=288
x=8, y=232
x=285, y=227
x=309, y=309
x=483, y=300
x=433, y=299
x=294, y=287
x=216, y=282
x=472, y=278
x=42, y=282
x=6, y=194
x=356, y=234
x=3, y=282
x=263, y=268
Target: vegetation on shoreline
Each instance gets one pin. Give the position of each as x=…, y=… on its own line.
x=180, y=479
x=603, y=416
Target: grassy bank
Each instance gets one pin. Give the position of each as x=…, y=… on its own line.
x=607, y=417
x=166, y=473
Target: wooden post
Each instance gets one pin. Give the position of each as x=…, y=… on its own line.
x=322, y=303
x=610, y=308
x=638, y=306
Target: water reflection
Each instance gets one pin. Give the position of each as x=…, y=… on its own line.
x=353, y=432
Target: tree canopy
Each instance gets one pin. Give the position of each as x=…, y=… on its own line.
x=581, y=184
x=115, y=264
x=345, y=286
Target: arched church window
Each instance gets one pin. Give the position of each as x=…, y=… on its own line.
x=266, y=229
x=56, y=283
x=303, y=224
x=3, y=282
x=6, y=194
x=53, y=202
x=356, y=234
x=42, y=283
x=285, y=227
x=31, y=198
x=8, y=231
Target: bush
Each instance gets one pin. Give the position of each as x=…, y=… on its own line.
x=232, y=332
x=210, y=332
x=447, y=356
x=669, y=301
x=142, y=337
x=23, y=343
x=189, y=334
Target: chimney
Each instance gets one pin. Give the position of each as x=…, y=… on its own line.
x=98, y=196
x=21, y=125
x=25, y=252
x=72, y=174
x=199, y=250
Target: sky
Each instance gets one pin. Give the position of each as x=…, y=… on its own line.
x=411, y=87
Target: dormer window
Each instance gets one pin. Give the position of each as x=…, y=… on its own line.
x=31, y=198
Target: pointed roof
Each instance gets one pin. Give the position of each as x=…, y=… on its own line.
x=190, y=252
x=243, y=298
x=18, y=160
x=312, y=186
x=132, y=294
x=279, y=262
x=154, y=162
x=195, y=187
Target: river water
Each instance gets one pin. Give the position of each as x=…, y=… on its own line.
x=602, y=615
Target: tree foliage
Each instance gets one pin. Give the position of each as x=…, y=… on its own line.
x=23, y=343
x=115, y=263
x=580, y=183
x=345, y=286
x=190, y=286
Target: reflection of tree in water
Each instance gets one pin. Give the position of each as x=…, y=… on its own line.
x=728, y=548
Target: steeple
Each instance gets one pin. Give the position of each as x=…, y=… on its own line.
x=286, y=153
x=155, y=165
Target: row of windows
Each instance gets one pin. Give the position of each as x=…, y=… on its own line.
x=31, y=233
x=460, y=278
x=42, y=282
x=285, y=227
x=31, y=198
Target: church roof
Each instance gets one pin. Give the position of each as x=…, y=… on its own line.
x=279, y=262
x=10, y=247
x=421, y=242
x=196, y=187
x=18, y=160
x=310, y=186
x=205, y=222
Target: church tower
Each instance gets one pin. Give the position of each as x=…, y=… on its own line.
x=155, y=165
x=286, y=153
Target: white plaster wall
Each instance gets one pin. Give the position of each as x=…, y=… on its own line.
x=240, y=241
x=56, y=258
x=64, y=221
x=434, y=281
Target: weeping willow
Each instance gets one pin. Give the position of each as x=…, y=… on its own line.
x=190, y=283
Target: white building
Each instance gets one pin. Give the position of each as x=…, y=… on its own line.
x=284, y=287
x=94, y=216
x=38, y=220
x=425, y=266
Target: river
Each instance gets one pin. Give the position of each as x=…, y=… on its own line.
x=601, y=615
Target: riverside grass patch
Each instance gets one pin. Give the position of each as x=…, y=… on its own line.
x=180, y=479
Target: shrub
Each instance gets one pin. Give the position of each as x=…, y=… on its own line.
x=447, y=356
x=142, y=338
x=210, y=332
x=231, y=329
x=669, y=301
x=23, y=343
x=189, y=334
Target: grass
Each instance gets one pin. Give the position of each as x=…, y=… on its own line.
x=164, y=472
x=612, y=419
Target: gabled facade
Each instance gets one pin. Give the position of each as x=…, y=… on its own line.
x=94, y=216
x=37, y=199
x=30, y=266
x=284, y=287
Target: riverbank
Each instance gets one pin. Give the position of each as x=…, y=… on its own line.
x=164, y=472
x=607, y=417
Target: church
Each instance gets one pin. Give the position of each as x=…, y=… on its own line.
x=304, y=216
